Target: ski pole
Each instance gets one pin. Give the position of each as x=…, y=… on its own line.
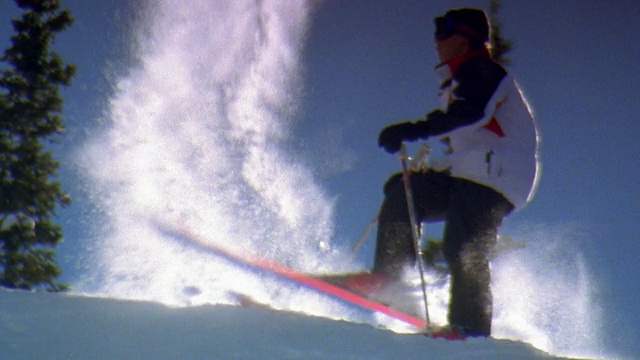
x=406, y=177
x=364, y=236
x=419, y=163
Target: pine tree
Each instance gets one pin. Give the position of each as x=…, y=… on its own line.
x=31, y=75
x=499, y=45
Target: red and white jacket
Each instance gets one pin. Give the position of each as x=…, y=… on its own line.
x=489, y=127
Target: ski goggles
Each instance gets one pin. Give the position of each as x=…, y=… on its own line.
x=444, y=28
x=447, y=26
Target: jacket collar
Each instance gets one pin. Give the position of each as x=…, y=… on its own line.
x=446, y=70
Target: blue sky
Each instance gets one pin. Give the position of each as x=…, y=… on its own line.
x=367, y=64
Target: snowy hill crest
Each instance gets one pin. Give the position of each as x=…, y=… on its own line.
x=54, y=326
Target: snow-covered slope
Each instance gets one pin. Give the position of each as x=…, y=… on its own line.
x=55, y=326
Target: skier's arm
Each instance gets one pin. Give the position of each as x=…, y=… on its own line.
x=476, y=82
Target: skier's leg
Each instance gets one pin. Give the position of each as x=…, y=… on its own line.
x=471, y=231
x=395, y=248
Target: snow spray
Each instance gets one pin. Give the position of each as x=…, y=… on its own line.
x=544, y=294
x=195, y=137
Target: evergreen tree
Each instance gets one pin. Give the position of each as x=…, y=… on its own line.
x=499, y=45
x=30, y=117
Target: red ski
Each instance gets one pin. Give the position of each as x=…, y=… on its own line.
x=322, y=284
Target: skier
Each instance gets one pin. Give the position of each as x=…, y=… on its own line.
x=491, y=169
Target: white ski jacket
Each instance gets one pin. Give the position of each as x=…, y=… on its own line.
x=488, y=125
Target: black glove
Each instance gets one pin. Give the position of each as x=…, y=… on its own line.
x=392, y=136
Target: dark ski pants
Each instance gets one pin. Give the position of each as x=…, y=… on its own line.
x=472, y=214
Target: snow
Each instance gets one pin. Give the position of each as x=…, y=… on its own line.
x=37, y=325
x=205, y=145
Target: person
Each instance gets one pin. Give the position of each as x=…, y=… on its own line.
x=490, y=169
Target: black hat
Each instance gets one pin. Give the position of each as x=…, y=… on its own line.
x=469, y=22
